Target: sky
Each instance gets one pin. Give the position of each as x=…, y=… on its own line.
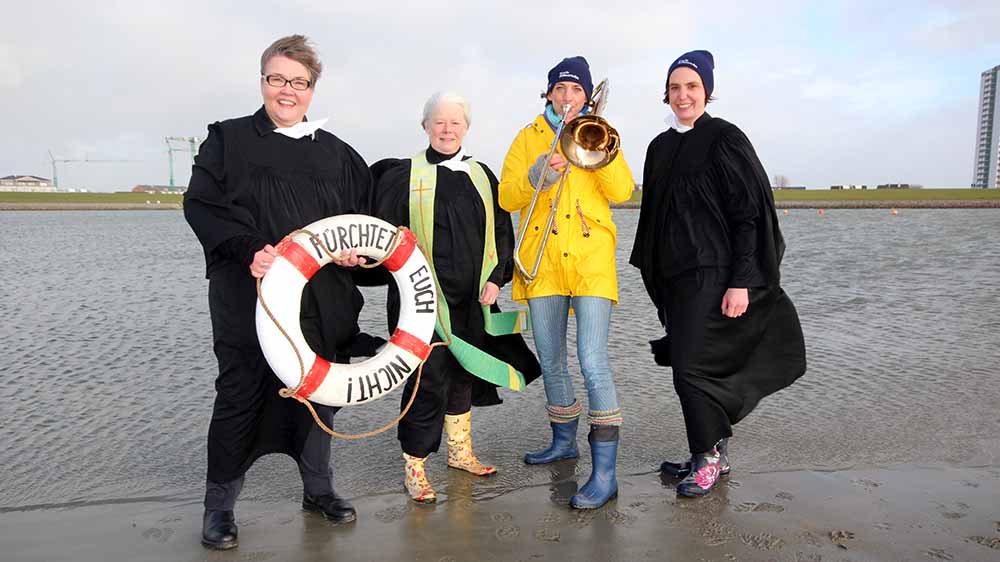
x=845, y=92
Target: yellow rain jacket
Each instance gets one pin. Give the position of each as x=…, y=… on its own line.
x=572, y=264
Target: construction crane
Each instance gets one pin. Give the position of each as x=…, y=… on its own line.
x=54, y=160
x=192, y=147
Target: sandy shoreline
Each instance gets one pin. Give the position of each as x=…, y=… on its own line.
x=903, y=204
x=890, y=514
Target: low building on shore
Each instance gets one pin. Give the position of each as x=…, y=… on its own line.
x=25, y=183
x=850, y=186
x=159, y=189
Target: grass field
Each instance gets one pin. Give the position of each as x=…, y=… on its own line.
x=71, y=198
x=877, y=195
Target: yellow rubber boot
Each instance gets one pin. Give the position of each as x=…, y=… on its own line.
x=416, y=480
x=460, y=455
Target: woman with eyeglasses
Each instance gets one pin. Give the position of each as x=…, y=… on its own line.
x=256, y=179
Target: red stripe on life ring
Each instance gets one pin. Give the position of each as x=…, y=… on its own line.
x=402, y=253
x=298, y=257
x=411, y=343
x=314, y=378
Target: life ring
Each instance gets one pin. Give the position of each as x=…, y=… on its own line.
x=300, y=256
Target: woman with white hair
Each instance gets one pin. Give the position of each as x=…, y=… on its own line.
x=449, y=200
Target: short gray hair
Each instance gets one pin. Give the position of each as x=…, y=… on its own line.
x=446, y=97
x=299, y=49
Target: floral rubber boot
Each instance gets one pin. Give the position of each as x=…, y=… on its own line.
x=460, y=455
x=706, y=468
x=682, y=469
x=416, y=480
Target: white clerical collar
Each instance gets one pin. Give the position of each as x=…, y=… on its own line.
x=456, y=164
x=302, y=129
x=673, y=123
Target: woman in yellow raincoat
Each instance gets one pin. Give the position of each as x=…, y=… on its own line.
x=577, y=271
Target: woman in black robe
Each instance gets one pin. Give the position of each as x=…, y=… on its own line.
x=256, y=179
x=709, y=249
x=447, y=390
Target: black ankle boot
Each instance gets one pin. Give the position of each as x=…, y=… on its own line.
x=218, y=529
x=331, y=506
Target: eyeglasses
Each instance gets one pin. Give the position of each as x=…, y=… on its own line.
x=279, y=81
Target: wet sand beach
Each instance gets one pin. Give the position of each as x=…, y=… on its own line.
x=887, y=449
x=892, y=514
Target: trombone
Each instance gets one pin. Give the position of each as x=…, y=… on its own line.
x=589, y=142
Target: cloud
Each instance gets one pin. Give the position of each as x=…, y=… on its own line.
x=801, y=79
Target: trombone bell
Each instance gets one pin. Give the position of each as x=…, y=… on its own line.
x=590, y=142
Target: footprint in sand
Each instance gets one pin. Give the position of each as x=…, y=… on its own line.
x=808, y=557
x=885, y=526
x=391, y=514
x=249, y=520
x=582, y=519
x=939, y=554
x=866, y=484
x=641, y=507
x=839, y=536
x=785, y=496
x=716, y=534
x=762, y=541
x=550, y=517
x=810, y=538
x=993, y=543
x=502, y=516
x=758, y=507
x=508, y=533
x=158, y=535
x=616, y=517
x=258, y=556
x=548, y=535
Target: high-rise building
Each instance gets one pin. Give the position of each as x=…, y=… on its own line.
x=987, y=171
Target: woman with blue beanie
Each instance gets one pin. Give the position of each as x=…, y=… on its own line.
x=576, y=271
x=709, y=249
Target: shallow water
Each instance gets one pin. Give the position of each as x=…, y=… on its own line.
x=106, y=387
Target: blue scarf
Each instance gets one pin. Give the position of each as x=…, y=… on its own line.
x=554, y=120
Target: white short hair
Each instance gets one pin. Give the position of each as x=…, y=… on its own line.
x=445, y=97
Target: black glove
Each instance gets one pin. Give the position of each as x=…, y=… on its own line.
x=661, y=350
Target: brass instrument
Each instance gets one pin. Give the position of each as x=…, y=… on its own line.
x=588, y=142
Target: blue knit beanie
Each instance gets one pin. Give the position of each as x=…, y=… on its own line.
x=701, y=62
x=572, y=69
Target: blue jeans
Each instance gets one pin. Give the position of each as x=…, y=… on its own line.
x=548, y=327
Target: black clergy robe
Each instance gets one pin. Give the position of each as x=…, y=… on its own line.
x=250, y=187
x=459, y=237
x=707, y=223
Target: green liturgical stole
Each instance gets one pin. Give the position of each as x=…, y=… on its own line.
x=423, y=180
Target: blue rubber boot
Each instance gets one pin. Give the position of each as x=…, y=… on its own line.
x=563, y=444
x=603, y=484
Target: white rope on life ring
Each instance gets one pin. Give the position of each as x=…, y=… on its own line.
x=300, y=256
